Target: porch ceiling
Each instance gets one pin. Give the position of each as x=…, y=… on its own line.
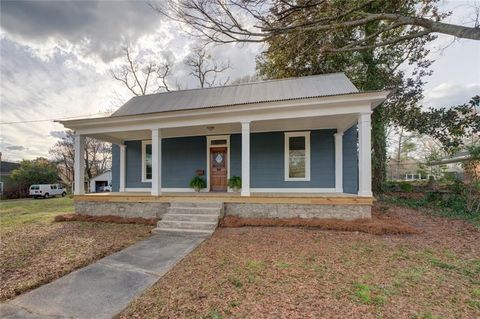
x=341, y=122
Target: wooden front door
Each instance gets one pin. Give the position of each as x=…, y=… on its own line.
x=218, y=169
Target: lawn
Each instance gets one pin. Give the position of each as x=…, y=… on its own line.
x=267, y=272
x=35, y=250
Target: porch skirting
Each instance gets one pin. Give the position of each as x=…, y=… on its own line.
x=346, y=208
x=121, y=209
x=252, y=210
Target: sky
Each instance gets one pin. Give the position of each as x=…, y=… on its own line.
x=56, y=57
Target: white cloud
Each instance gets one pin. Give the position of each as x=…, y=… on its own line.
x=450, y=94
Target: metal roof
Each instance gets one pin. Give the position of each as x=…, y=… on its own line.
x=256, y=92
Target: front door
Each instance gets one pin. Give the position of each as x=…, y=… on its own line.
x=218, y=169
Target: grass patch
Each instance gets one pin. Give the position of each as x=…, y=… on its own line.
x=15, y=213
x=369, y=295
x=235, y=281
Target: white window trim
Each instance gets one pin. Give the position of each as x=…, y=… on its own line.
x=211, y=138
x=144, y=164
x=306, y=135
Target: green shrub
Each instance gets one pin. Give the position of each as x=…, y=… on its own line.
x=405, y=187
x=235, y=182
x=197, y=183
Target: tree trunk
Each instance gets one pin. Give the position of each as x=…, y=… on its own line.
x=379, y=142
x=399, y=152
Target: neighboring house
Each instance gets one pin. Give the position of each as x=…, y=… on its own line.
x=407, y=170
x=6, y=169
x=302, y=147
x=98, y=183
x=453, y=165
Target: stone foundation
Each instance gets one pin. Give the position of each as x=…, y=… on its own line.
x=245, y=210
x=122, y=209
x=252, y=210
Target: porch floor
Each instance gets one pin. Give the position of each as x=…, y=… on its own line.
x=232, y=197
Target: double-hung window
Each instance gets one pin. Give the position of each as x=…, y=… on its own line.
x=146, y=161
x=297, y=156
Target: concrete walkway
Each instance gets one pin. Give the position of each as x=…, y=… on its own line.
x=103, y=289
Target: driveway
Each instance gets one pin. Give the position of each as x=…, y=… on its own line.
x=106, y=287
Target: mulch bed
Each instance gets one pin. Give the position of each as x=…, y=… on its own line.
x=106, y=219
x=377, y=225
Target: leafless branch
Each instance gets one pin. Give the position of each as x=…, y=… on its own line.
x=227, y=21
x=205, y=69
x=142, y=78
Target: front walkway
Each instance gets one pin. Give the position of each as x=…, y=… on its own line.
x=104, y=288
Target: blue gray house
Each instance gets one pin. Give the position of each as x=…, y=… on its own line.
x=301, y=147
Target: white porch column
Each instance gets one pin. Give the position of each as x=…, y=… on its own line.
x=364, y=155
x=156, y=162
x=339, y=162
x=79, y=165
x=245, y=159
x=122, y=166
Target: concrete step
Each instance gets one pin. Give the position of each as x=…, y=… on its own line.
x=182, y=231
x=197, y=204
x=187, y=225
x=191, y=217
x=194, y=210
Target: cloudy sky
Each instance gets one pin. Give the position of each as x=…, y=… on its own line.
x=56, y=59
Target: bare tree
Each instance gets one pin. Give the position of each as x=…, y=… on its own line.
x=205, y=69
x=142, y=78
x=98, y=157
x=227, y=21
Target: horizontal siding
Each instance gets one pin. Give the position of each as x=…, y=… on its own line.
x=133, y=164
x=181, y=157
x=268, y=163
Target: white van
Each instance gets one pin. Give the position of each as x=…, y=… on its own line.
x=46, y=190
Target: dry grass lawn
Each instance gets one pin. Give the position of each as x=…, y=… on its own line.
x=34, y=250
x=268, y=272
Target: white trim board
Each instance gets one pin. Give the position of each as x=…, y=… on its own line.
x=144, y=166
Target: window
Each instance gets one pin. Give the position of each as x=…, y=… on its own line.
x=146, y=161
x=297, y=156
x=218, y=142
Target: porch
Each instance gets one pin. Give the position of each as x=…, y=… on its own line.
x=297, y=154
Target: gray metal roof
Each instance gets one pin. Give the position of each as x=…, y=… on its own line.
x=265, y=91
